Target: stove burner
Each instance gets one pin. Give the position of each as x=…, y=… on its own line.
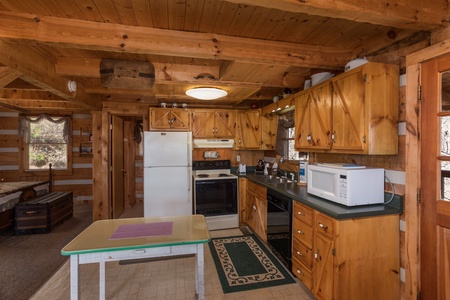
x=223, y=175
x=202, y=175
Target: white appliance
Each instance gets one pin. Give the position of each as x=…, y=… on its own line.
x=167, y=173
x=350, y=185
x=213, y=143
x=216, y=193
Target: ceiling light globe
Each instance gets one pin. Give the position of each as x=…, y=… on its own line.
x=206, y=93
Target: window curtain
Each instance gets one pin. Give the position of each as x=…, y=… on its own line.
x=24, y=121
x=284, y=123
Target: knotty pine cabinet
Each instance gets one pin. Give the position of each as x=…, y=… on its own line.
x=248, y=130
x=346, y=259
x=170, y=118
x=269, y=126
x=354, y=112
x=256, y=209
x=313, y=118
x=213, y=123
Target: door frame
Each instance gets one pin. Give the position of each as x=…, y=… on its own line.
x=413, y=107
x=101, y=209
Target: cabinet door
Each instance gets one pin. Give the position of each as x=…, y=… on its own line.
x=225, y=123
x=159, y=118
x=252, y=130
x=323, y=267
x=320, y=117
x=269, y=127
x=203, y=125
x=302, y=123
x=180, y=119
x=239, y=137
x=348, y=113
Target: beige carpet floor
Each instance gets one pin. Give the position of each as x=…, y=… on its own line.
x=28, y=261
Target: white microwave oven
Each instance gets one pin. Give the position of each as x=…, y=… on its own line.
x=350, y=185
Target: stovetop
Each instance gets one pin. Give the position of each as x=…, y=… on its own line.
x=215, y=169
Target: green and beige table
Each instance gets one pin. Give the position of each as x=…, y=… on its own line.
x=94, y=245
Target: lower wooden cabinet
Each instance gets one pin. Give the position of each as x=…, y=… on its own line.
x=346, y=259
x=256, y=209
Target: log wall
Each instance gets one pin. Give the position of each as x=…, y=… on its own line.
x=79, y=181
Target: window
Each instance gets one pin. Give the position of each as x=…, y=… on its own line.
x=46, y=141
x=291, y=154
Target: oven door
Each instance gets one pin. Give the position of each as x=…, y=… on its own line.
x=216, y=197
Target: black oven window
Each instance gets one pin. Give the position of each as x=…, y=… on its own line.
x=216, y=197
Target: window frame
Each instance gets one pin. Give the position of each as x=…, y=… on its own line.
x=24, y=147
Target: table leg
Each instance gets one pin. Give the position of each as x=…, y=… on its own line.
x=74, y=277
x=101, y=283
x=200, y=272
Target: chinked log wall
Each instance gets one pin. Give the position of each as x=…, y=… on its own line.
x=79, y=182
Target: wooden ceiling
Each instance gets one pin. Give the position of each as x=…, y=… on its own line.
x=253, y=49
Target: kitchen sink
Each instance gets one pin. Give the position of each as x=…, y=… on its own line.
x=277, y=179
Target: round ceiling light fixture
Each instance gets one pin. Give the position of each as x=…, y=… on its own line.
x=206, y=93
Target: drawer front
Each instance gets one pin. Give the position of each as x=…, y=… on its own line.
x=257, y=189
x=303, y=213
x=302, y=273
x=302, y=253
x=324, y=225
x=303, y=233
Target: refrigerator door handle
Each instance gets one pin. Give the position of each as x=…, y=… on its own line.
x=189, y=180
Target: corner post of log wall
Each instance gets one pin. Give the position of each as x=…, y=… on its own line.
x=100, y=188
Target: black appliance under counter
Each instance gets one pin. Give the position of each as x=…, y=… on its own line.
x=334, y=210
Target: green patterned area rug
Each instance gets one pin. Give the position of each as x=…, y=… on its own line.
x=244, y=263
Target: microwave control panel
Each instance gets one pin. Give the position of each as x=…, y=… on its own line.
x=343, y=186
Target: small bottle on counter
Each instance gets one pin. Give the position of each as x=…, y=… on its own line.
x=303, y=173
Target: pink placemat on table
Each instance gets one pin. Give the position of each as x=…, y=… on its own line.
x=142, y=230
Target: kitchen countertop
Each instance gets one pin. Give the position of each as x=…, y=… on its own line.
x=334, y=210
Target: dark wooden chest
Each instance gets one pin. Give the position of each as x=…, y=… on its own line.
x=41, y=214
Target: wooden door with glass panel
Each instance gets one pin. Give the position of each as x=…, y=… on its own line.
x=435, y=180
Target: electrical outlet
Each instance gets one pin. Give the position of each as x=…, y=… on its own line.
x=238, y=158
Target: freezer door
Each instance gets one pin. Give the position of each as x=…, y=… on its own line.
x=167, y=149
x=167, y=191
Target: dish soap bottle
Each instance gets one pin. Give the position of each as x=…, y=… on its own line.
x=303, y=173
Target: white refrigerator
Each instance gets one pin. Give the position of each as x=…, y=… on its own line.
x=167, y=173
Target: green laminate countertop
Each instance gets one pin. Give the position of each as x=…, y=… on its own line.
x=334, y=210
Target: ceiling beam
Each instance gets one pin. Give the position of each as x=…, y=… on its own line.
x=25, y=105
x=412, y=14
x=132, y=39
x=39, y=71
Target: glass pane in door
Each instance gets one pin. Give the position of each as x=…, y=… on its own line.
x=445, y=136
x=445, y=95
x=445, y=180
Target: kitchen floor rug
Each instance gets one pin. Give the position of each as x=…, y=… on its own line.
x=244, y=263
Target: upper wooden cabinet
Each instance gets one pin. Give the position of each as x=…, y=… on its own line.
x=269, y=126
x=313, y=118
x=213, y=123
x=354, y=112
x=248, y=130
x=167, y=118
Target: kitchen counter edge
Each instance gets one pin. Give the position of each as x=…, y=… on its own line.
x=334, y=210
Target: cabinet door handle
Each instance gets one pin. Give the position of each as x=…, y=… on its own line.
x=299, y=253
x=333, y=137
x=300, y=232
x=316, y=255
x=254, y=207
x=323, y=226
x=300, y=272
x=300, y=213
